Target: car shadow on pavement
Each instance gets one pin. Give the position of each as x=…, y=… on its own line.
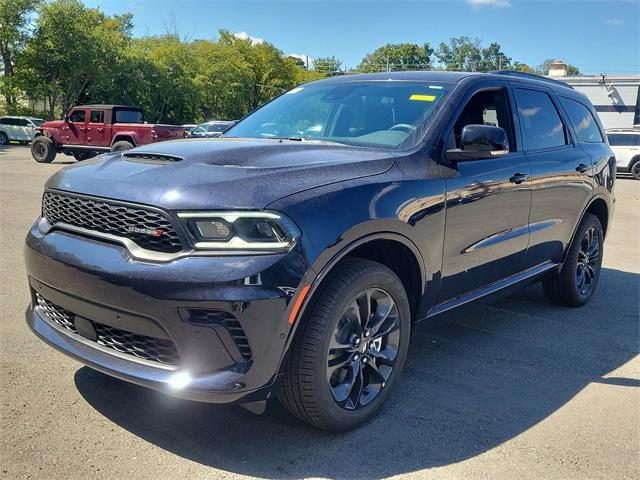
x=474, y=381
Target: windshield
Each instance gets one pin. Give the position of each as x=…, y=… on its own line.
x=390, y=114
x=37, y=122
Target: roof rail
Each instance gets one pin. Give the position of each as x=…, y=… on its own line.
x=532, y=76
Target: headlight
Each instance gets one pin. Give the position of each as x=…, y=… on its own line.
x=241, y=231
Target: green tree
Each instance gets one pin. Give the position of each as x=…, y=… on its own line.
x=398, y=57
x=73, y=50
x=14, y=31
x=327, y=65
x=493, y=58
x=461, y=53
x=522, y=67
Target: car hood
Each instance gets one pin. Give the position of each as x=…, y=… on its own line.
x=219, y=173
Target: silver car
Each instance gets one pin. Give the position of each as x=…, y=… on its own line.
x=20, y=129
x=625, y=144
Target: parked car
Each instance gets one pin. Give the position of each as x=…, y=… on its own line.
x=88, y=130
x=270, y=263
x=19, y=129
x=210, y=129
x=625, y=144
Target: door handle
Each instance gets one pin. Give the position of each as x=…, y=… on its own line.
x=100, y=129
x=82, y=129
x=87, y=129
x=582, y=168
x=518, y=178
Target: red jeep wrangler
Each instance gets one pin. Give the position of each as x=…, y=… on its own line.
x=88, y=130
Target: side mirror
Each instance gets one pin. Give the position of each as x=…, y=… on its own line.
x=480, y=141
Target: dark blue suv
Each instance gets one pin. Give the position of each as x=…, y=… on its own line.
x=293, y=255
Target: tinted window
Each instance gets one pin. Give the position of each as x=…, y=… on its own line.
x=216, y=127
x=96, y=116
x=623, y=140
x=540, y=121
x=128, y=116
x=4, y=121
x=21, y=122
x=583, y=121
x=77, y=116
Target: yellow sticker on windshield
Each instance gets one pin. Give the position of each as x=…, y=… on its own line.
x=422, y=98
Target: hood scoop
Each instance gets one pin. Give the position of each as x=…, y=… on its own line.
x=151, y=157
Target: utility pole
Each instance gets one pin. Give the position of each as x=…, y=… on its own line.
x=387, y=57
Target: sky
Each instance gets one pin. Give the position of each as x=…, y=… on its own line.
x=596, y=36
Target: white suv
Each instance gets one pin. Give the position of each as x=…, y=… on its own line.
x=21, y=129
x=625, y=144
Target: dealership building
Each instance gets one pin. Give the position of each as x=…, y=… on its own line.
x=615, y=97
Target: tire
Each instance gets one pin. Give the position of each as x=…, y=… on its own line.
x=309, y=391
x=121, y=145
x=574, y=285
x=79, y=156
x=634, y=169
x=4, y=140
x=43, y=150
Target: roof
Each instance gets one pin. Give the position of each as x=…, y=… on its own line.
x=106, y=106
x=429, y=76
x=449, y=77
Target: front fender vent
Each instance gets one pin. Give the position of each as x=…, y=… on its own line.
x=151, y=157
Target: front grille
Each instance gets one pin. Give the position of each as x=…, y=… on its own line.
x=228, y=321
x=147, y=228
x=141, y=346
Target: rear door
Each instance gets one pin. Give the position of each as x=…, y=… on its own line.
x=625, y=146
x=486, y=233
x=98, y=133
x=562, y=179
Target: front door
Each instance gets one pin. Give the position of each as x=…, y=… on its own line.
x=75, y=130
x=488, y=200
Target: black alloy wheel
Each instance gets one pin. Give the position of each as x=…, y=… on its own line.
x=363, y=349
x=588, y=261
x=350, y=346
x=575, y=283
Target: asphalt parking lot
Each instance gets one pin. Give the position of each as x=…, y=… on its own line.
x=518, y=389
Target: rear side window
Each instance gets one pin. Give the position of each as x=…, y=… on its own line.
x=541, y=124
x=96, y=116
x=585, y=125
x=127, y=116
x=623, y=140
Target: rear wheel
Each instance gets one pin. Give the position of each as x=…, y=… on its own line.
x=121, y=145
x=575, y=284
x=43, y=150
x=4, y=140
x=350, y=349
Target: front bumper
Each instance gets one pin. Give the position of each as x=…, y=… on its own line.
x=100, y=282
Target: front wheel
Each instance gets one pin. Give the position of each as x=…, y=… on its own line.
x=121, y=146
x=350, y=348
x=574, y=285
x=43, y=150
x=635, y=169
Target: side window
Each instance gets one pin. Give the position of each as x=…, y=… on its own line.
x=541, y=124
x=4, y=121
x=584, y=124
x=623, y=140
x=488, y=107
x=77, y=116
x=22, y=122
x=96, y=116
